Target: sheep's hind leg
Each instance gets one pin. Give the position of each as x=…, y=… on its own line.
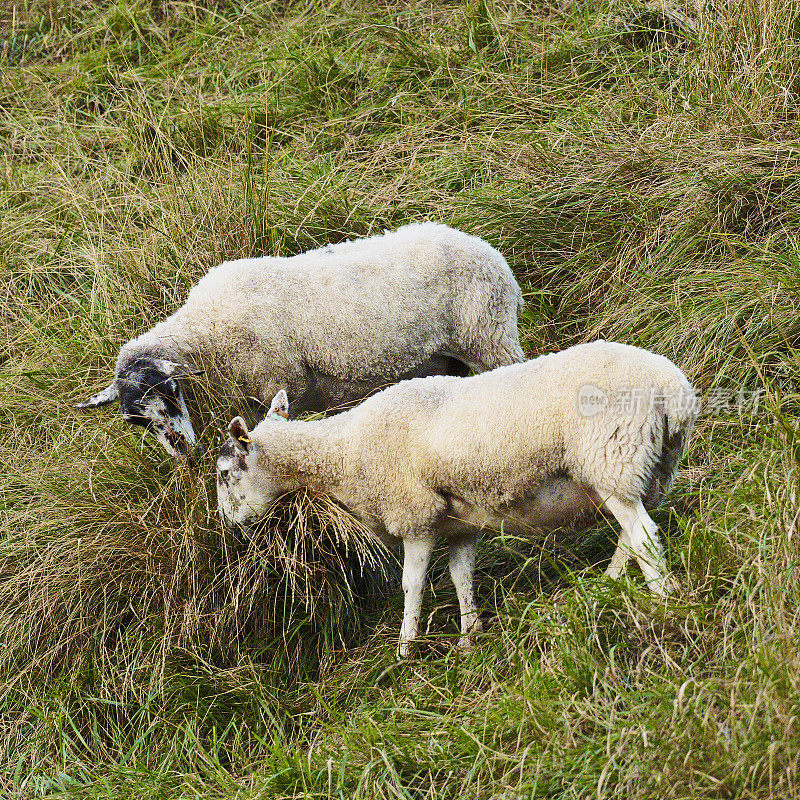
x=642, y=542
x=416, y=555
x=619, y=561
x=462, y=568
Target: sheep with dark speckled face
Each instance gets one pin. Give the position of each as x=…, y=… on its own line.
x=542, y=444
x=331, y=326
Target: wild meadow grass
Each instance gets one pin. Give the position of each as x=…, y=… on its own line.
x=638, y=165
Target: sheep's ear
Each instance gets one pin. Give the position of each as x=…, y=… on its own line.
x=109, y=395
x=280, y=406
x=237, y=429
x=174, y=370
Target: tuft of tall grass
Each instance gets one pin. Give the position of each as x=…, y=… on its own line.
x=169, y=577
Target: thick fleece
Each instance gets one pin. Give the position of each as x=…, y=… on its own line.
x=333, y=324
x=537, y=444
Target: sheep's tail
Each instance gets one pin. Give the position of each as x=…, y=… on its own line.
x=679, y=414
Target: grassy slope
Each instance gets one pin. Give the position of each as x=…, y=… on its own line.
x=643, y=187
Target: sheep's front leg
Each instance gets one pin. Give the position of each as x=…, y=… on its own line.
x=416, y=555
x=462, y=569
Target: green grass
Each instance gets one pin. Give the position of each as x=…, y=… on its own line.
x=641, y=175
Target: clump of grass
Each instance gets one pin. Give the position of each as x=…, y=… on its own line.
x=131, y=593
x=173, y=579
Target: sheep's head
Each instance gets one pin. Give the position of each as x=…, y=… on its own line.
x=150, y=395
x=247, y=483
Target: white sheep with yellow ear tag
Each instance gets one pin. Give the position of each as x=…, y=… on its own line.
x=331, y=325
x=543, y=444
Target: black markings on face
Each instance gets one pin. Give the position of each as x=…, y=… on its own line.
x=231, y=460
x=151, y=398
x=147, y=396
x=230, y=452
x=231, y=464
x=223, y=475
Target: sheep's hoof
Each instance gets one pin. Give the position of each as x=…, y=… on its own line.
x=614, y=572
x=403, y=651
x=670, y=586
x=663, y=587
x=466, y=642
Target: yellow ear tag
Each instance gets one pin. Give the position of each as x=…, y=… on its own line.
x=245, y=439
